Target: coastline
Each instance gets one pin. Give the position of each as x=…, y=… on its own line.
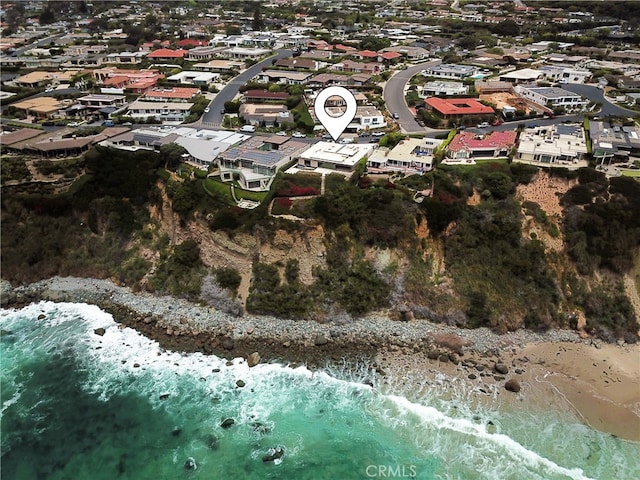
x=600, y=382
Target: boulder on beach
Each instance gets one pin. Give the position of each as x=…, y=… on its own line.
x=253, y=359
x=512, y=385
x=240, y=383
x=501, y=368
x=99, y=331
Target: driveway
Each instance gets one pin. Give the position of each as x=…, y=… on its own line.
x=594, y=94
x=394, y=97
x=215, y=116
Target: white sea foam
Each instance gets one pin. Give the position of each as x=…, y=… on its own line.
x=122, y=360
x=429, y=416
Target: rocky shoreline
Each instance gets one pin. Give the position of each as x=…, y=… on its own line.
x=393, y=355
x=184, y=326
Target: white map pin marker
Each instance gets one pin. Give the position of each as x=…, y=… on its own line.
x=335, y=125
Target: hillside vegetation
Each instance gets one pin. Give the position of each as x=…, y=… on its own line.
x=473, y=253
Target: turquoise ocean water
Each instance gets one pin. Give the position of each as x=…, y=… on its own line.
x=76, y=405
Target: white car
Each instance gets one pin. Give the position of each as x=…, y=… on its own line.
x=281, y=134
x=73, y=124
x=207, y=110
x=378, y=134
x=298, y=135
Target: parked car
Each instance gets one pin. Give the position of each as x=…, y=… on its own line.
x=73, y=124
x=126, y=124
x=396, y=115
x=483, y=125
x=326, y=136
x=207, y=110
x=48, y=123
x=248, y=129
x=298, y=135
x=364, y=134
x=281, y=133
x=378, y=134
x=346, y=140
x=108, y=123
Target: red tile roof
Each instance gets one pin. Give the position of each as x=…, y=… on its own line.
x=191, y=42
x=472, y=141
x=175, y=92
x=344, y=48
x=167, y=53
x=390, y=55
x=458, y=106
x=368, y=54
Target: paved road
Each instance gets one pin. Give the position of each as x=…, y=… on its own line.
x=44, y=42
x=594, y=94
x=215, y=116
x=394, y=97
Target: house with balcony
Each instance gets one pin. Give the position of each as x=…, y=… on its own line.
x=453, y=71
x=167, y=55
x=412, y=155
x=613, y=143
x=552, y=97
x=267, y=115
x=125, y=58
x=166, y=112
x=553, y=146
x=284, y=77
x=441, y=88
x=467, y=146
x=328, y=157
x=199, y=54
x=173, y=94
x=188, y=77
x=256, y=161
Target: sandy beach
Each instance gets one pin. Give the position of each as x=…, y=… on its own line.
x=598, y=381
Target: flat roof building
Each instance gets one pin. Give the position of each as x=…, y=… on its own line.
x=553, y=145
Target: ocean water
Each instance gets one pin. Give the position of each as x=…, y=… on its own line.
x=76, y=405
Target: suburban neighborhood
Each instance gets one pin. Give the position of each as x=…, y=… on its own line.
x=536, y=84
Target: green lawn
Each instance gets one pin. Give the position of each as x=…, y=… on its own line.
x=212, y=185
x=628, y=172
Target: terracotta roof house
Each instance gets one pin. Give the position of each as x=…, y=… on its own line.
x=167, y=54
x=457, y=107
x=367, y=54
x=389, y=56
x=191, y=42
x=466, y=146
x=176, y=93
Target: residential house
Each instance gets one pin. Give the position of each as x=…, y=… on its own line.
x=524, y=75
x=166, y=54
x=265, y=96
x=438, y=88
x=448, y=70
x=244, y=53
x=284, y=77
x=218, y=65
x=553, y=145
x=167, y=112
x=264, y=114
x=199, y=54
x=455, y=108
x=40, y=107
x=173, y=94
x=412, y=155
x=187, y=77
x=552, y=97
x=350, y=66
x=613, y=143
x=125, y=58
x=203, y=146
x=565, y=74
x=327, y=157
x=299, y=63
x=256, y=161
x=329, y=79
x=467, y=146
x=412, y=54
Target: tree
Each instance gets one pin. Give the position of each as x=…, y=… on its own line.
x=257, y=24
x=46, y=16
x=171, y=155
